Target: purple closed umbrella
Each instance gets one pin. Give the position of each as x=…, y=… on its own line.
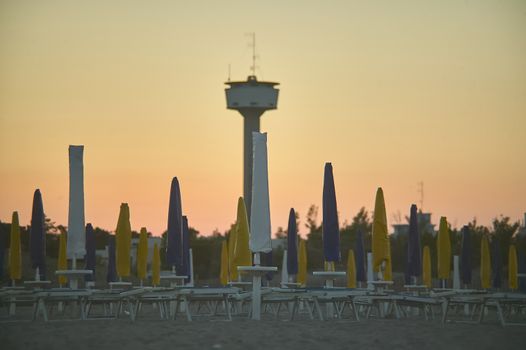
x=186, y=250
x=174, y=244
x=414, y=255
x=292, y=244
x=90, y=252
x=37, y=236
x=331, y=233
x=2, y=253
x=521, y=268
x=496, y=262
x=465, y=256
x=111, y=276
x=359, y=257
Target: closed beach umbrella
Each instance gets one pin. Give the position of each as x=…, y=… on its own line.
x=351, y=270
x=15, y=256
x=465, y=256
x=260, y=241
x=2, y=253
x=91, y=255
x=185, y=271
x=414, y=256
x=223, y=275
x=156, y=266
x=388, y=274
x=496, y=263
x=301, y=278
x=76, y=241
x=174, y=246
x=380, y=240
x=426, y=268
x=37, y=236
x=232, y=270
x=444, y=250
x=330, y=226
x=123, y=242
x=359, y=248
x=142, y=254
x=512, y=268
x=111, y=275
x=292, y=244
x=62, y=259
x=485, y=264
x=521, y=260
x=242, y=256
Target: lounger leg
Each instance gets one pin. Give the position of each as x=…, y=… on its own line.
x=500, y=314
x=445, y=308
x=318, y=308
x=309, y=309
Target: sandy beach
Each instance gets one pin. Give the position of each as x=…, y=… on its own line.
x=205, y=333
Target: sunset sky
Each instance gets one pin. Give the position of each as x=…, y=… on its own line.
x=392, y=92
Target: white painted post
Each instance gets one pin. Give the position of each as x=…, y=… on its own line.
x=191, y=255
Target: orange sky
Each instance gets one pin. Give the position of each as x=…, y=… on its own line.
x=391, y=92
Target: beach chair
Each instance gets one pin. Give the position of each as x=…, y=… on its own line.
x=46, y=300
x=125, y=301
x=507, y=305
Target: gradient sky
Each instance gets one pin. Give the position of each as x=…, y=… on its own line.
x=391, y=92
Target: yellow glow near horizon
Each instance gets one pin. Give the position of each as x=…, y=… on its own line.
x=391, y=92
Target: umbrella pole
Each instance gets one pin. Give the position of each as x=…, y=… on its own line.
x=256, y=291
x=37, y=274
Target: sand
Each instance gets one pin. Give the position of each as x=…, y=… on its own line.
x=215, y=333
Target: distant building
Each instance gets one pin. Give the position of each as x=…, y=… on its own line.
x=424, y=225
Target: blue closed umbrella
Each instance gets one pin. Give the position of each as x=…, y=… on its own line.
x=465, y=256
x=2, y=253
x=292, y=244
x=496, y=262
x=266, y=260
x=90, y=252
x=359, y=257
x=331, y=233
x=414, y=250
x=521, y=268
x=174, y=244
x=185, y=271
x=111, y=276
x=37, y=236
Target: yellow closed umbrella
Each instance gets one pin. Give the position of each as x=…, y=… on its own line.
x=142, y=254
x=242, y=255
x=380, y=239
x=443, y=250
x=15, y=256
x=232, y=271
x=123, y=242
x=388, y=274
x=62, y=258
x=351, y=270
x=156, y=266
x=426, y=268
x=485, y=264
x=512, y=268
x=223, y=274
x=301, y=277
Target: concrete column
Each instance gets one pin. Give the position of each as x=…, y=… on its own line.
x=251, y=123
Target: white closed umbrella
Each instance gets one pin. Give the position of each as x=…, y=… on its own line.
x=76, y=242
x=260, y=241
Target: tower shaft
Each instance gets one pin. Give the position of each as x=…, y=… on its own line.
x=251, y=123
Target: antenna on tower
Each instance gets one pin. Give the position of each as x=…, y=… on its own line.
x=421, y=191
x=254, y=56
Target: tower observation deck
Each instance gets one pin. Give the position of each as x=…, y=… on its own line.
x=251, y=98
